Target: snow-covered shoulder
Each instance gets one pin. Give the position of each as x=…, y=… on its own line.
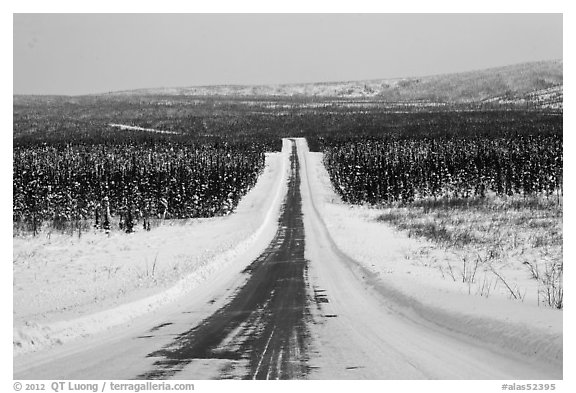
x=66, y=287
x=397, y=267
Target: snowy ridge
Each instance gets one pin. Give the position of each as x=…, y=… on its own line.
x=502, y=333
x=376, y=254
x=38, y=336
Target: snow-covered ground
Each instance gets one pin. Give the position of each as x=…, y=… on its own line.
x=403, y=269
x=384, y=314
x=66, y=287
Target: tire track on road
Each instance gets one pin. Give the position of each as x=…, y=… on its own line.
x=261, y=332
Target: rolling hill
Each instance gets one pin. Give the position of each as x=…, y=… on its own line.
x=537, y=82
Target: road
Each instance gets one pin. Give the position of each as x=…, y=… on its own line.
x=263, y=324
x=301, y=310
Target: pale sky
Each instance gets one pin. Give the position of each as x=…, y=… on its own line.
x=94, y=53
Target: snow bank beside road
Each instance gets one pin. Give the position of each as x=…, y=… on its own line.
x=65, y=287
x=396, y=266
